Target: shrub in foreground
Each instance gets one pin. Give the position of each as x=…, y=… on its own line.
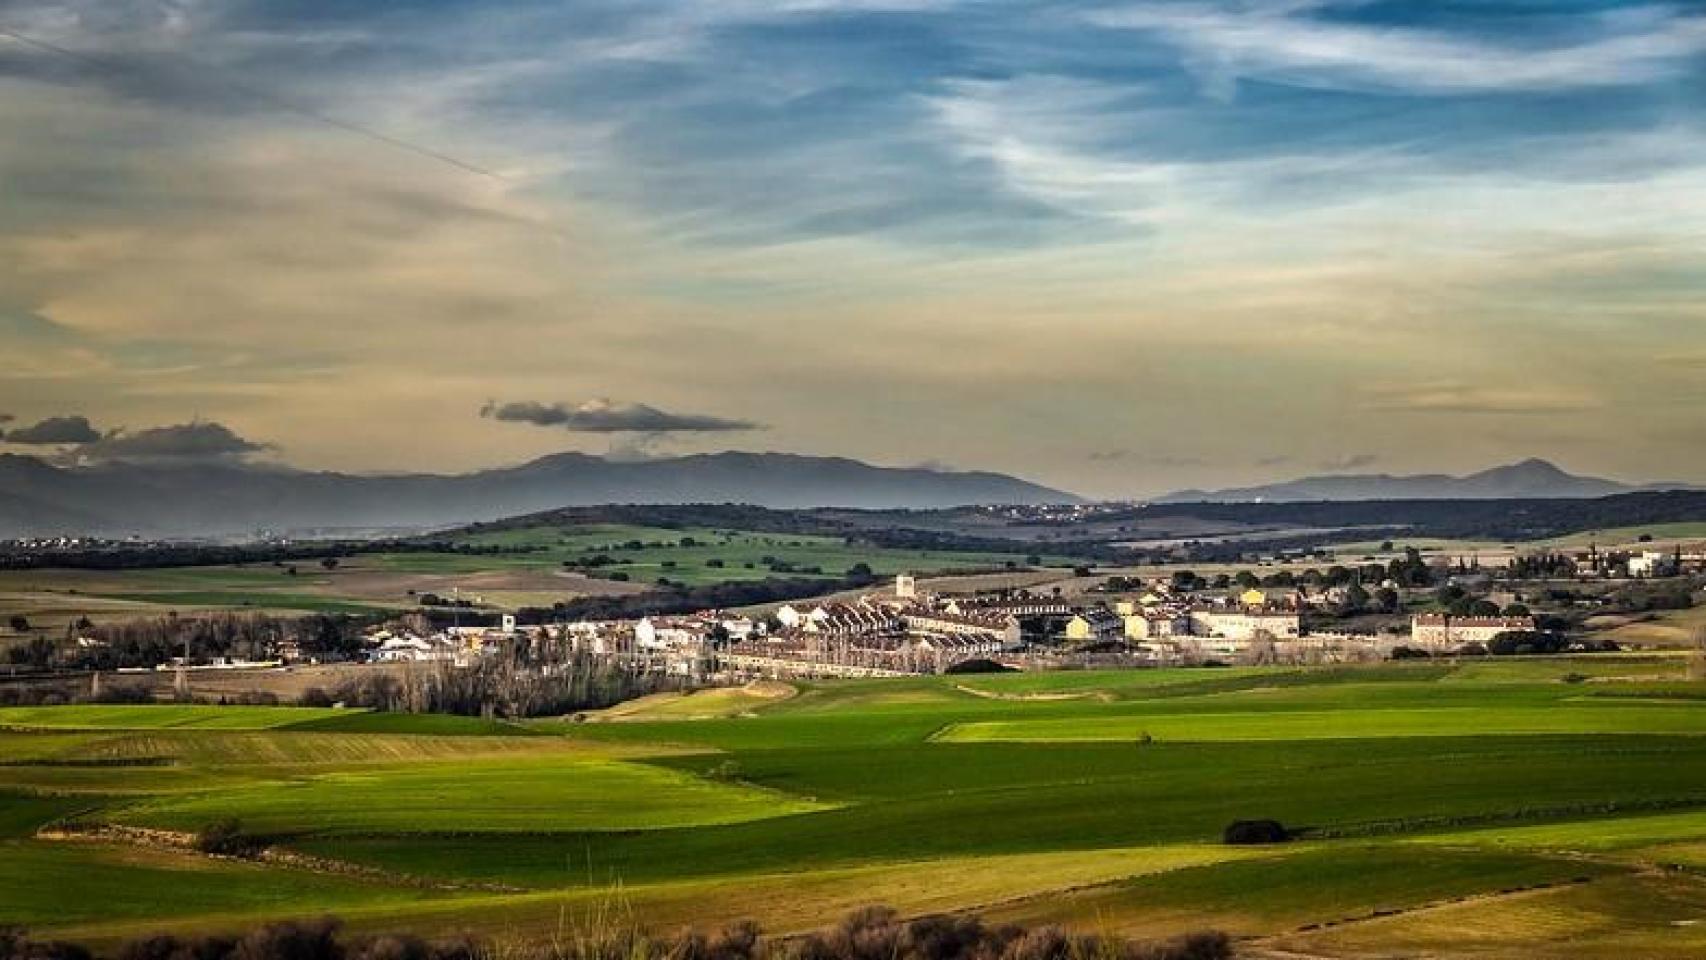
x=873, y=933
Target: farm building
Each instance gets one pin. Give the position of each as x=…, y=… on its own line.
x=1441, y=631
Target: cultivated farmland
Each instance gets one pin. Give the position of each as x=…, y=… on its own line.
x=1543, y=808
x=534, y=566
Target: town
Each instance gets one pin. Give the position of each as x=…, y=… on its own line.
x=904, y=629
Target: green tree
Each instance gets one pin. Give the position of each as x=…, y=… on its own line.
x=1387, y=599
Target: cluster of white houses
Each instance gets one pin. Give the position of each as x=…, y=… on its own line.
x=907, y=632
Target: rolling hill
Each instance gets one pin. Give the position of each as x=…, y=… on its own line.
x=150, y=499
x=1529, y=480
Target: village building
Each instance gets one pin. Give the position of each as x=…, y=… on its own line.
x=1653, y=563
x=1244, y=625
x=852, y=620
x=670, y=633
x=1441, y=631
x=1094, y=625
x=1157, y=623
x=602, y=638
x=992, y=632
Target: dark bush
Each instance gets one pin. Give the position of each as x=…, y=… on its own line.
x=14, y=945
x=1248, y=832
x=1522, y=642
x=298, y=940
x=225, y=838
x=978, y=665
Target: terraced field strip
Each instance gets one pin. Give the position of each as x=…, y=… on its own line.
x=158, y=716
x=123, y=885
x=1613, y=918
x=1320, y=885
x=1644, y=717
x=283, y=748
x=480, y=795
x=1595, y=834
x=781, y=902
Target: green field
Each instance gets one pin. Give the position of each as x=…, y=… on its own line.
x=691, y=555
x=535, y=576
x=1494, y=792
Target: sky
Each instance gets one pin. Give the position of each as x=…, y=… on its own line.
x=1119, y=247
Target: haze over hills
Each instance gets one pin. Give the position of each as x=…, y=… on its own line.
x=38, y=498
x=1531, y=479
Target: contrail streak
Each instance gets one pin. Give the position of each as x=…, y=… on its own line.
x=272, y=100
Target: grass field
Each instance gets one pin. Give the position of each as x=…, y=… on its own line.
x=700, y=555
x=538, y=577
x=1531, y=814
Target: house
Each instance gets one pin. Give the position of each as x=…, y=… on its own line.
x=851, y=620
x=996, y=631
x=1094, y=625
x=1441, y=631
x=1015, y=605
x=1245, y=625
x=408, y=648
x=1157, y=623
x=604, y=638
x=670, y=633
x=740, y=628
x=1652, y=563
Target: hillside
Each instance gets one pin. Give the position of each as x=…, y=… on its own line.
x=1530, y=480
x=38, y=498
x=1426, y=799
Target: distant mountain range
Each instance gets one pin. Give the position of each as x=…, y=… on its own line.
x=38, y=498
x=1530, y=479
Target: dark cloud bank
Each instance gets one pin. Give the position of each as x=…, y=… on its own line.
x=603, y=416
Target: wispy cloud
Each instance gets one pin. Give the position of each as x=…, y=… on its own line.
x=1146, y=458
x=1349, y=461
x=1468, y=398
x=1293, y=42
x=913, y=202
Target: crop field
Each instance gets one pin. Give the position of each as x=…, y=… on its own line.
x=1535, y=807
x=701, y=555
x=537, y=577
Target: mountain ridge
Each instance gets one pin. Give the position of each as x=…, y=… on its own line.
x=38, y=498
x=1529, y=479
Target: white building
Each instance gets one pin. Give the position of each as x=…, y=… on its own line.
x=1440, y=631
x=1243, y=625
x=1652, y=563
x=998, y=632
x=669, y=633
x=408, y=648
